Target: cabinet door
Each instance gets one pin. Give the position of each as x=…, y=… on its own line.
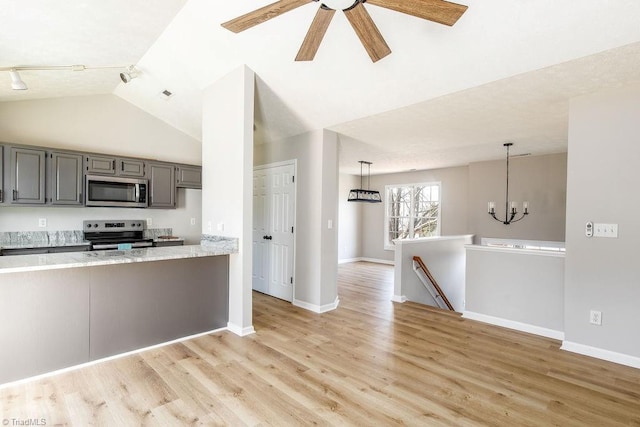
x=1, y=174
x=101, y=165
x=66, y=179
x=130, y=167
x=163, y=185
x=189, y=177
x=27, y=175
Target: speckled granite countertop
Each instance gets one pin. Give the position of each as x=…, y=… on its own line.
x=24, y=263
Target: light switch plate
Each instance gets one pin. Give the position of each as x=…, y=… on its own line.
x=605, y=230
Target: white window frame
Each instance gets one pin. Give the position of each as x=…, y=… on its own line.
x=389, y=245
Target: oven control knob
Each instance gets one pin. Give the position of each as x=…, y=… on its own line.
x=88, y=225
x=95, y=225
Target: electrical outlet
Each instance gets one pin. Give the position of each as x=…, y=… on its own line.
x=595, y=317
x=42, y=222
x=149, y=222
x=209, y=226
x=193, y=221
x=221, y=226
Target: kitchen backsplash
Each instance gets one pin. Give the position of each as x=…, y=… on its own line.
x=60, y=238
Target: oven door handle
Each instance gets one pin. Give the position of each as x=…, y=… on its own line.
x=137, y=193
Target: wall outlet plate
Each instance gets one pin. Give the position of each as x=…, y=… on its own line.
x=42, y=222
x=595, y=317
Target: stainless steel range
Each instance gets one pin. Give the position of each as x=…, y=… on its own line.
x=119, y=234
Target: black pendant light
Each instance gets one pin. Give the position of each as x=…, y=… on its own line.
x=362, y=195
x=510, y=212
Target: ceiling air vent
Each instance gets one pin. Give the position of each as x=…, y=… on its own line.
x=166, y=94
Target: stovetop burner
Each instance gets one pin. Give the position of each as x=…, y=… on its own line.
x=110, y=234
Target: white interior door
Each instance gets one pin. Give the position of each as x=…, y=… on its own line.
x=273, y=236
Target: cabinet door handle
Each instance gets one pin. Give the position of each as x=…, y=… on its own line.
x=114, y=165
x=15, y=195
x=0, y=194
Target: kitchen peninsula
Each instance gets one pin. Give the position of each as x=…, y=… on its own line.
x=63, y=309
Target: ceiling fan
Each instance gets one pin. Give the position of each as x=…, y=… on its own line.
x=439, y=11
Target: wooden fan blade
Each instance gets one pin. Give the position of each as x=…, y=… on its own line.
x=315, y=34
x=367, y=31
x=440, y=11
x=263, y=14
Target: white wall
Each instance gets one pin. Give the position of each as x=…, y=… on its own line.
x=454, y=206
x=516, y=288
x=603, y=177
x=316, y=254
x=227, y=181
x=540, y=180
x=188, y=205
x=465, y=192
x=99, y=123
x=349, y=223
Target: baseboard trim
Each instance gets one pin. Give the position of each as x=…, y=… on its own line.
x=511, y=324
x=599, y=353
x=399, y=298
x=242, y=332
x=105, y=359
x=317, y=308
x=374, y=260
x=348, y=260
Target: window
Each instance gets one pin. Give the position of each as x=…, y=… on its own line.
x=412, y=211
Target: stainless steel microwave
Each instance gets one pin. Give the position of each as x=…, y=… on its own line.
x=115, y=191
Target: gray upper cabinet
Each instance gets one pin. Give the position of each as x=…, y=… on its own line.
x=130, y=167
x=101, y=165
x=66, y=178
x=189, y=176
x=27, y=175
x=104, y=165
x=163, y=185
x=1, y=174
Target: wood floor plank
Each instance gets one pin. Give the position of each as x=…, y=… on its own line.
x=369, y=362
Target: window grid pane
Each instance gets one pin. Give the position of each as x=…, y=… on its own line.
x=412, y=212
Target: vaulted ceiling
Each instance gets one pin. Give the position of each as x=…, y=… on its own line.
x=445, y=96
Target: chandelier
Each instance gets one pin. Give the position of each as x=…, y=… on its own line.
x=510, y=210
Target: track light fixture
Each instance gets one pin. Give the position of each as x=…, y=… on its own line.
x=129, y=74
x=18, y=84
x=16, y=81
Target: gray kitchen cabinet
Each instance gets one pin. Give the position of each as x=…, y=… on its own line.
x=1, y=174
x=66, y=178
x=27, y=175
x=130, y=167
x=101, y=165
x=162, y=185
x=189, y=176
x=104, y=165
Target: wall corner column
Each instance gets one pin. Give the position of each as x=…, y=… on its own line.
x=227, y=181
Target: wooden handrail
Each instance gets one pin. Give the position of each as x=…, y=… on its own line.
x=433, y=281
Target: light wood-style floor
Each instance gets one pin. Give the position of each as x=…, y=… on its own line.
x=371, y=362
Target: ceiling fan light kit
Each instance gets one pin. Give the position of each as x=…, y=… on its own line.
x=440, y=11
